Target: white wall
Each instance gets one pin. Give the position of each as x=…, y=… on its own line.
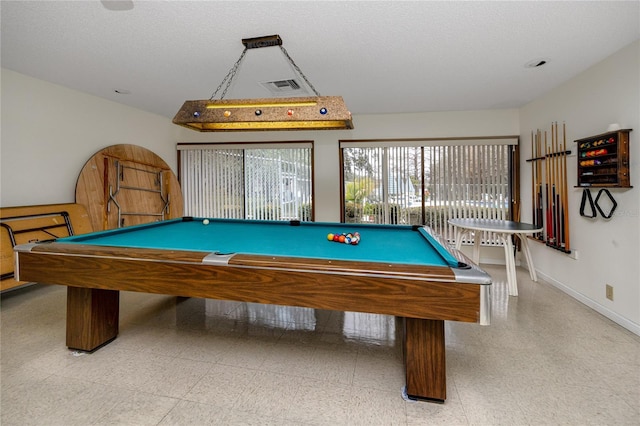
x=608, y=250
x=49, y=132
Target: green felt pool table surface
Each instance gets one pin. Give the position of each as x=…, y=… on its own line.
x=378, y=243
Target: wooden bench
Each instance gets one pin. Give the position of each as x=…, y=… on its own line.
x=25, y=224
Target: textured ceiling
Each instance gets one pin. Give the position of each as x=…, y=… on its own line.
x=382, y=57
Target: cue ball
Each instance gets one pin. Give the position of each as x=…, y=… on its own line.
x=205, y=222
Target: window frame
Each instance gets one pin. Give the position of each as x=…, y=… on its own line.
x=513, y=162
x=294, y=144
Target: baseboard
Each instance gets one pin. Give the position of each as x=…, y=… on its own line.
x=621, y=321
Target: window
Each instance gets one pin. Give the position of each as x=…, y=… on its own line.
x=428, y=182
x=247, y=181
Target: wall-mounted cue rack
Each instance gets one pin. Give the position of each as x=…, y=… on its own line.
x=549, y=194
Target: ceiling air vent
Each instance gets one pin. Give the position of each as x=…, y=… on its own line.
x=284, y=87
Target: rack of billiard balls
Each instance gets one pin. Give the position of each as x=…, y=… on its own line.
x=345, y=238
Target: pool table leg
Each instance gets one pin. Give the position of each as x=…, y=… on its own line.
x=92, y=317
x=425, y=361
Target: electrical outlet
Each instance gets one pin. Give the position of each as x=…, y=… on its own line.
x=609, y=292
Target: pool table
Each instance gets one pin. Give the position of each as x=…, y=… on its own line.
x=405, y=271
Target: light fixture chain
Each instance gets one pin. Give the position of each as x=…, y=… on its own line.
x=299, y=70
x=229, y=77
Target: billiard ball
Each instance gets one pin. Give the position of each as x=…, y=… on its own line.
x=330, y=237
x=205, y=222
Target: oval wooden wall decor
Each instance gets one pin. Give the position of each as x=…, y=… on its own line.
x=125, y=185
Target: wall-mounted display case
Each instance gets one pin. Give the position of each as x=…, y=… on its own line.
x=603, y=160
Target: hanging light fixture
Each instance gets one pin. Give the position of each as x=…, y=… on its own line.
x=298, y=113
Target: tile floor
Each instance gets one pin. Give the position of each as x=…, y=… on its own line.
x=546, y=359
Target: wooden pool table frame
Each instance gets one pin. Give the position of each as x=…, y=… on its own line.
x=424, y=296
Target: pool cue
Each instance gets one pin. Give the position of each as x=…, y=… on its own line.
x=534, y=207
x=557, y=182
x=562, y=190
x=536, y=176
x=548, y=189
x=553, y=185
x=561, y=208
x=559, y=239
x=556, y=205
x=534, y=155
x=566, y=196
x=558, y=186
x=563, y=193
x=561, y=186
x=540, y=222
x=553, y=188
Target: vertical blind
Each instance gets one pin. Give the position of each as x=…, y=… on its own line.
x=247, y=181
x=413, y=183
